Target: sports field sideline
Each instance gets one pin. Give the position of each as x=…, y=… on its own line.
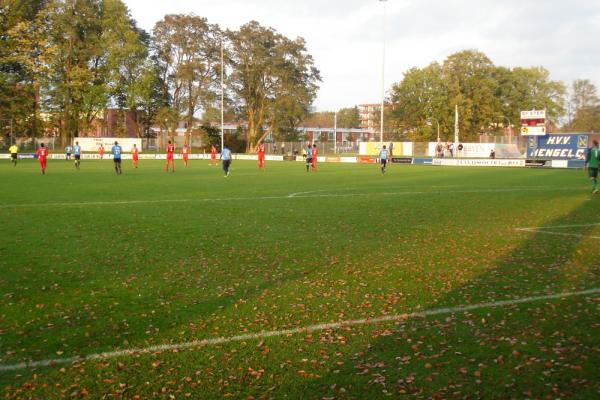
x=344, y=283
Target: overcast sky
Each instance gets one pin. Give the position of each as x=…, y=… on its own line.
x=345, y=37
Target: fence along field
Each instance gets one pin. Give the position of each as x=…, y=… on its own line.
x=422, y=278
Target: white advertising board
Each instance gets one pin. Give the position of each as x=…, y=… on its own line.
x=477, y=150
x=477, y=162
x=92, y=144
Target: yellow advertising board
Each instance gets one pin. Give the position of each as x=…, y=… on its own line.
x=373, y=148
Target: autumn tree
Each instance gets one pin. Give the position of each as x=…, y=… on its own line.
x=20, y=71
x=583, y=94
x=470, y=84
x=584, y=106
x=348, y=118
x=487, y=97
x=529, y=89
x=270, y=75
x=421, y=97
x=84, y=49
x=187, y=49
x=319, y=119
x=131, y=77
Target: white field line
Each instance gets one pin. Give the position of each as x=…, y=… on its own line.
x=542, y=230
x=289, y=332
x=298, y=195
x=560, y=234
x=560, y=226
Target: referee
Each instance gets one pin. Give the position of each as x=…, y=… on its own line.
x=13, y=150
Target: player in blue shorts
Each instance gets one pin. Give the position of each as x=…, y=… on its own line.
x=77, y=154
x=116, y=152
x=383, y=155
x=226, y=157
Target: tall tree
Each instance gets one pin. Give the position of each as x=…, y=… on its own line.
x=584, y=107
x=129, y=74
x=75, y=86
x=420, y=98
x=527, y=89
x=91, y=58
x=319, y=119
x=187, y=48
x=587, y=119
x=468, y=77
x=270, y=74
x=583, y=94
x=487, y=97
x=348, y=118
x=20, y=51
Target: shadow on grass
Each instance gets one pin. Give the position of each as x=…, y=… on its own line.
x=538, y=349
x=446, y=356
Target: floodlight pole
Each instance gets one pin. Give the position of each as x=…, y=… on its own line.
x=335, y=132
x=382, y=76
x=509, y=130
x=222, y=99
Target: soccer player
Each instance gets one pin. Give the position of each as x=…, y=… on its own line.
x=185, y=152
x=77, y=155
x=213, y=155
x=261, y=156
x=592, y=161
x=42, y=153
x=13, y=150
x=315, y=153
x=68, y=150
x=383, y=155
x=170, y=160
x=116, y=152
x=135, y=155
x=308, y=157
x=101, y=151
x=226, y=157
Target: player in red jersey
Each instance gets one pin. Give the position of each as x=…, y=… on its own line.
x=42, y=153
x=261, y=156
x=185, y=152
x=101, y=151
x=135, y=155
x=315, y=152
x=213, y=155
x=170, y=159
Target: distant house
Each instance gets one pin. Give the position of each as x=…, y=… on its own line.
x=114, y=123
x=370, y=116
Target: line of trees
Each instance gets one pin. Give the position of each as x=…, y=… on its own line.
x=68, y=60
x=63, y=62
x=489, y=99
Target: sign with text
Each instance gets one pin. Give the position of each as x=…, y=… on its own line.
x=560, y=147
x=397, y=148
x=533, y=123
x=477, y=162
x=93, y=143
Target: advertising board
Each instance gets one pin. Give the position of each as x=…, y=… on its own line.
x=558, y=147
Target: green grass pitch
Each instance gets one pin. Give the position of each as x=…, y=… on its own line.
x=97, y=263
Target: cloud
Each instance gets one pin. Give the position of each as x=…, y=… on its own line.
x=346, y=37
